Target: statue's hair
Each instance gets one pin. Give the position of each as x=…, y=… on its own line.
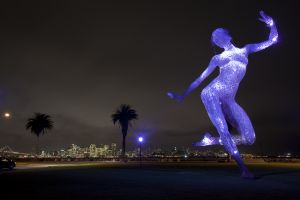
x=218, y=31
x=215, y=33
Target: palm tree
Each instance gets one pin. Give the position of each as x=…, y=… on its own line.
x=123, y=116
x=38, y=125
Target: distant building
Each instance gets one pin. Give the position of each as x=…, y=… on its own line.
x=114, y=149
x=93, y=151
x=73, y=151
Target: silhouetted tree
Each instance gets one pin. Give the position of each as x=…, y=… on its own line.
x=38, y=125
x=123, y=116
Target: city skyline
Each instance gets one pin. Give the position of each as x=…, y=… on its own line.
x=111, y=152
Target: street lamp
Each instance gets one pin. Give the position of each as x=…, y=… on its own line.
x=7, y=115
x=140, y=139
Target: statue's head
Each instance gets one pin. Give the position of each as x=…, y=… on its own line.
x=221, y=37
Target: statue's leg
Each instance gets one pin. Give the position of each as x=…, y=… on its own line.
x=213, y=106
x=208, y=139
x=233, y=115
x=240, y=120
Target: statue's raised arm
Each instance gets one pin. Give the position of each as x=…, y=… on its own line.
x=273, y=36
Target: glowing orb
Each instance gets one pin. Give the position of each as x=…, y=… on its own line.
x=140, y=139
x=6, y=115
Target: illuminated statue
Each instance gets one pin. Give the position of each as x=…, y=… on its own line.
x=219, y=96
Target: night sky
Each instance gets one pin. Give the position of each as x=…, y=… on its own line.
x=78, y=61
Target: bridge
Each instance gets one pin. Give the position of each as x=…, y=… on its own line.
x=7, y=151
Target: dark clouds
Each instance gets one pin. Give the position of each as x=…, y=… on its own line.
x=77, y=61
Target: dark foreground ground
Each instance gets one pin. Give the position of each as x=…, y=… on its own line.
x=151, y=181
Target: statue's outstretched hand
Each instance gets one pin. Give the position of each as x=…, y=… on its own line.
x=176, y=97
x=266, y=19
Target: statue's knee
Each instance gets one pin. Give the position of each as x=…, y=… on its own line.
x=250, y=139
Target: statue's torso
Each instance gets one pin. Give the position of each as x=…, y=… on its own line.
x=232, y=65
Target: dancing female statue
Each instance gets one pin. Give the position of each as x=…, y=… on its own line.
x=219, y=96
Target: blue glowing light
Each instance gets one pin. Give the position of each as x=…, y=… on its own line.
x=219, y=96
x=207, y=141
x=140, y=139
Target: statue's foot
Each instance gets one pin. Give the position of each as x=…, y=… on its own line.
x=248, y=175
x=207, y=140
